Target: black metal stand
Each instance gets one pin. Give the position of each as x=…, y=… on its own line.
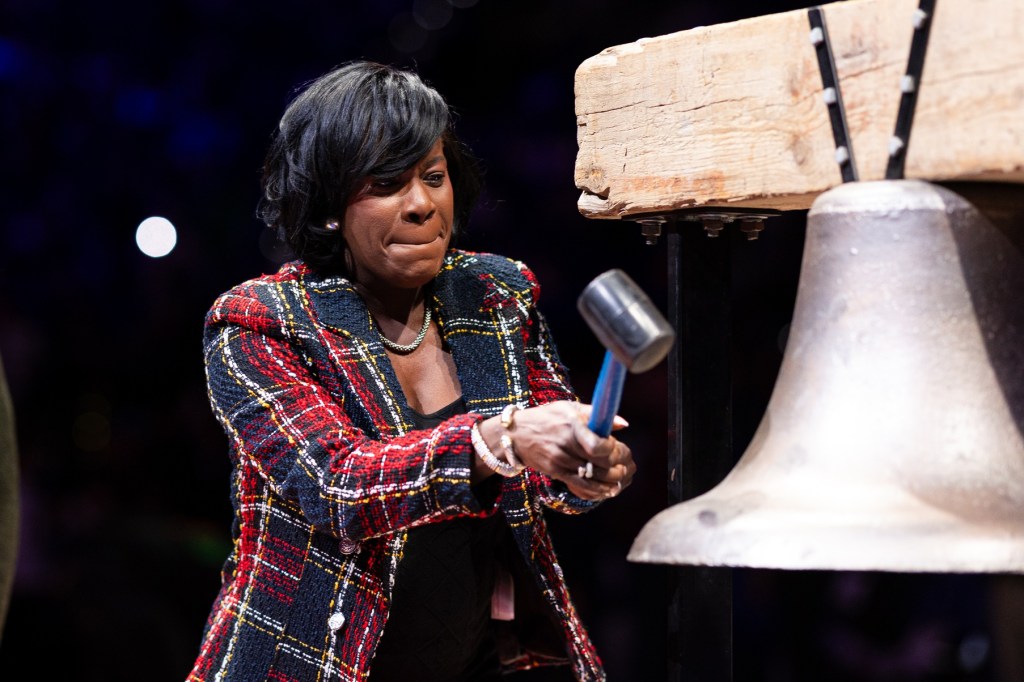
x=700, y=442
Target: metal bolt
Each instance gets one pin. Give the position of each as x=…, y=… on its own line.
x=713, y=227
x=752, y=228
x=651, y=230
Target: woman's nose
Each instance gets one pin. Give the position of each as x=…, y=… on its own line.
x=419, y=205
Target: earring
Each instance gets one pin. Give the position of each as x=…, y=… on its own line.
x=331, y=226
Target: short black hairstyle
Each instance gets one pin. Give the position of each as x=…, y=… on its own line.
x=362, y=119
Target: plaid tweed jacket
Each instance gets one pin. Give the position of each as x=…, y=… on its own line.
x=328, y=473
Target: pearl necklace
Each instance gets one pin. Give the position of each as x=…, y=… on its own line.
x=408, y=347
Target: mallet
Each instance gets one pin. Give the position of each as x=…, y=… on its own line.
x=637, y=337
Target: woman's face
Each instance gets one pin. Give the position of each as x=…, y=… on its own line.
x=398, y=229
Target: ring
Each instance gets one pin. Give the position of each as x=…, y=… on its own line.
x=620, y=486
x=589, y=472
x=581, y=471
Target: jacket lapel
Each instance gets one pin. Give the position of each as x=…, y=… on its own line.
x=481, y=324
x=375, y=401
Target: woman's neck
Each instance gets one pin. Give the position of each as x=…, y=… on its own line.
x=394, y=309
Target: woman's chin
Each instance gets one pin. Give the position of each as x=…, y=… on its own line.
x=415, y=266
x=415, y=275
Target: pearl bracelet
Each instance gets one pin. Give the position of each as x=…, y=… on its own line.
x=504, y=468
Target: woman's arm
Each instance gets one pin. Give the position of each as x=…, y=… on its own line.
x=290, y=428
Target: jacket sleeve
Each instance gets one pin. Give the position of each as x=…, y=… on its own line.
x=549, y=381
x=284, y=424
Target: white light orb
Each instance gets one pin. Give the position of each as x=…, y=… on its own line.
x=156, y=237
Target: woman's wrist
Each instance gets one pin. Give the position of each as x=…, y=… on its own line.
x=493, y=447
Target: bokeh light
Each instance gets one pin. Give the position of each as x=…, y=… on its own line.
x=156, y=237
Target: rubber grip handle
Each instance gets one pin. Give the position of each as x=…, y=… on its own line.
x=607, y=395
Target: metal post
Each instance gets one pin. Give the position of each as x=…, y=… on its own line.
x=700, y=442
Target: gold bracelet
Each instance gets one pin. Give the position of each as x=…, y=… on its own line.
x=508, y=415
x=510, y=452
x=504, y=468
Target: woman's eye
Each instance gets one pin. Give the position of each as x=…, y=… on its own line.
x=435, y=179
x=384, y=185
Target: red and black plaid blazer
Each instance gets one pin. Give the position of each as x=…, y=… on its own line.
x=328, y=474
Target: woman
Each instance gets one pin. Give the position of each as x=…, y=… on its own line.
x=398, y=416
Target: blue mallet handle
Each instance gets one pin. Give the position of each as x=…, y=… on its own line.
x=607, y=395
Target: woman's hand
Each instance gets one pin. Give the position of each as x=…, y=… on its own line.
x=554, y=439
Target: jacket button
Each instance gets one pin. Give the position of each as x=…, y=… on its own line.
x=336, y=621
x=347, y=545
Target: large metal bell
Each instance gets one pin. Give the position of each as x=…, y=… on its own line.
x=893, y=437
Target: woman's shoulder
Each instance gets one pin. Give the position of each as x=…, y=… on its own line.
x=257, y=296
x=512, y=273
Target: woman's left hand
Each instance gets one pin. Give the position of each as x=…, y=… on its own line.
x=554, y=439
x=611, y=461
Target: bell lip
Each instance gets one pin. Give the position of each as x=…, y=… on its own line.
x=997, y=568
x=930, y=542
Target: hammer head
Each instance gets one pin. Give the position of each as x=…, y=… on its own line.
x=625, y=321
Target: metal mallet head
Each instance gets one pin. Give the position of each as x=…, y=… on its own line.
x=637, y=337
x=625, y=321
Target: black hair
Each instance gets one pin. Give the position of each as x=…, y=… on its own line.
x=362, y=119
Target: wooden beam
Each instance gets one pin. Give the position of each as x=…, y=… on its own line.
x=733, y=114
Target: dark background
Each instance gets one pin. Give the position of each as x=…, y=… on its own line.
x=115, y=111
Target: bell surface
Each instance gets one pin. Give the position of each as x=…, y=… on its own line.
x=893, y=436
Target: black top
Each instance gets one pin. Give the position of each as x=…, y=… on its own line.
x=438, y=628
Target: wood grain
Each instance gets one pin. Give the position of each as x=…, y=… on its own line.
x=733, y=114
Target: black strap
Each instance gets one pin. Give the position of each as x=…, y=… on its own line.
x=909, y=86
x=831, y=93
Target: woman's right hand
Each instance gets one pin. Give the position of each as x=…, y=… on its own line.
x=554, y=439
